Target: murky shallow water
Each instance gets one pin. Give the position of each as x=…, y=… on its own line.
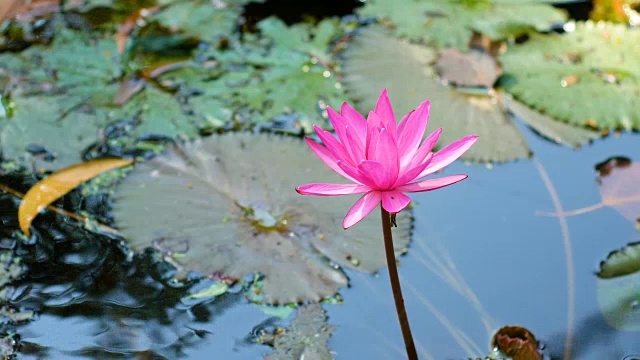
x=481, y=258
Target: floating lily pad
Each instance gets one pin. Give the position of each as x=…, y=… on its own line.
x=62, y=95
x=76, y=66
x=45, y=133
x=206, y=20
x=306, y=337
x=621, y=262
x=547, y=127
x=410, y=79
x=590, y=76
x=618, y=288
x=285, y=70
x=55, y=97
x=447, y=23
x=226, y=205
x=159, y=112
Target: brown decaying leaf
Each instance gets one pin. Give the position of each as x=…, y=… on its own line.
x=25, y=10
x=517, y=342
x=56, y=185
x=132, y=85
x=484, y=43
x=474, y=68
x=128, y=88
x=129, y=24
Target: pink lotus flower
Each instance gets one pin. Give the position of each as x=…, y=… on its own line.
x=382, y=159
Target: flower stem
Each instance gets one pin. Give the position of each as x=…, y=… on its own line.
x=395, y=286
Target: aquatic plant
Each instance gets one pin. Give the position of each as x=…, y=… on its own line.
x=384, y=160
x=587, y=76
x=478, y=110
x=617, y=284
x=224, y=206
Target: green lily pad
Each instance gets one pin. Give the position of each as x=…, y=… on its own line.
x=160, y=113
x=206, y=20
x=221, y=206
x=590, y=76
x=42, y=121
x=450, y=23
x=306, y=337
x=56, y=94
x=621, y=262
x=618, y=288
x=546, y=126
x=62, y=95
x=78, y=67
x=410, y=79
x=285, y=70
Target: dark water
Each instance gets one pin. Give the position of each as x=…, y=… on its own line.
x=481, y=258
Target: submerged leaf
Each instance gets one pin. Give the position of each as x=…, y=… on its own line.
x=56, y=185
x=619, y=189
x=306, y=337
x=227, y=206
x=619, y=178
x=410, y=79
x=603, y=62
x=447, y=23
x=618, y=288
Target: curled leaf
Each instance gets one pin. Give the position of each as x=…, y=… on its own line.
x=56, y=185
x=517, y=342
x=618, y=288
x=227, y=206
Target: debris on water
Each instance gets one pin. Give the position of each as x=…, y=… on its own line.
x=569, y=80
x=306, y=337
x=516, y=342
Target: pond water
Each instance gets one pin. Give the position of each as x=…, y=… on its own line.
x=482, y=257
